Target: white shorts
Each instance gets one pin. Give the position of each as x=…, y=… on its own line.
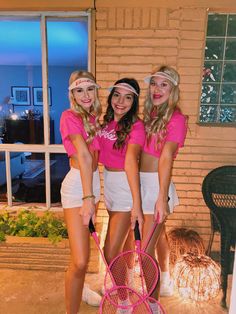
x=149, y=192
x=117, y=194
x=71, y=189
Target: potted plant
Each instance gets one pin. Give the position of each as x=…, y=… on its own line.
x=27, y=223
x=35, y=240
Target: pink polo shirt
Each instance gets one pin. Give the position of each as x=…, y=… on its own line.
x=115, y=158
x=176, y=131
x=72, y=124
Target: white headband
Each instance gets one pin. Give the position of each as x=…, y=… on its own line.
x=83, y=82
x=167, y=76
x=125, y=86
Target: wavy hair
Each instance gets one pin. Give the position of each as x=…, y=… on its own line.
x=96, y=107
x=156, y=120
x=126, y=122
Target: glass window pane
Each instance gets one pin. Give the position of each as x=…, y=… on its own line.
x=232, y=25
x=28, y=130
x=212, y=71
x=214, y=49
x=216, y=25
x=67, y=52
x=3, y=180
x=210, y=94
x=2, y=125
x=227, y=114
x=208, y=114
x=30, y=187
x=230, y=49
x=20, y=70
x=18, y=168
x=59, y=168
x=229, y=72
x=17, y=161
x=228, y=94
x=28, y=178
x=219, y=72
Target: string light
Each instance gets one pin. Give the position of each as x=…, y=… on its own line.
x=183, y=241
x=197, y=277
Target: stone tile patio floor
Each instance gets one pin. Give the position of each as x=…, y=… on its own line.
x=42, y=292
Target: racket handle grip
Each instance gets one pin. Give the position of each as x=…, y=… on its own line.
x=91, y=227
x=136, y=231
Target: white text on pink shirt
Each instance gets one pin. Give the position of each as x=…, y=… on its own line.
x=110, y=135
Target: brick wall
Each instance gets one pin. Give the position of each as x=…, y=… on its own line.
x=131, y=41
x=134, y=36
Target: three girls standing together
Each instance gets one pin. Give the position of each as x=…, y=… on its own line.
x=137, y=157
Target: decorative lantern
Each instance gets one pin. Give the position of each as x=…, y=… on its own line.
x=183, y=241
x=197, y=277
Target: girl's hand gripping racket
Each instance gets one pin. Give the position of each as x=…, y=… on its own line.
x=118, y=298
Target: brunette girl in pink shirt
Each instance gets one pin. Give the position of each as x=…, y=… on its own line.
x=80, y=191
x=121, y=140
x=166, y=130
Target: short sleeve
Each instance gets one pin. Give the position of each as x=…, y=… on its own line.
x=177, y=129
x=137, y=134
x=70, y=124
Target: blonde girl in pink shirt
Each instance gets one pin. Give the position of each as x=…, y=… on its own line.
x=80, y=191
x=166, y=129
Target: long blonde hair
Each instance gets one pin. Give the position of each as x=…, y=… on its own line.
x=156, y=123
x=96, y=107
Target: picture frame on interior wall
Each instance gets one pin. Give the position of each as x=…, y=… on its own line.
x=38, y=96
x=20, y=95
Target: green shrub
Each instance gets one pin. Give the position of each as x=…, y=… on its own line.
x=28, y=224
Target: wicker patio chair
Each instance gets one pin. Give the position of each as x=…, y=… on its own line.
x=219, y=193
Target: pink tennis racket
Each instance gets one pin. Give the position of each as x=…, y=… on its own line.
x=120, y=298
x=154, y=306
x=143, y=276
x=112, y=302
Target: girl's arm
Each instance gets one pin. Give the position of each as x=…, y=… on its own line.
x=165, y=164
x=132, y=172
x=86, y=172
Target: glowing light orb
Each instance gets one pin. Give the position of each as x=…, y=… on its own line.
x=183, y=241
x=197, y=277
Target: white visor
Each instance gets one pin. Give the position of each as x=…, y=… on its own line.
x=83, y=83
x=124, y=86
x=147, y=79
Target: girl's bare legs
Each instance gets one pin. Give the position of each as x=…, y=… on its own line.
x=148, y=224
x=129, y=243
x=117, y=232
x=163, y=251
x=163, y=254
x=79, y=246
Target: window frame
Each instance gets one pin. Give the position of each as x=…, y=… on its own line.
x=45, y=148
x=218, y=123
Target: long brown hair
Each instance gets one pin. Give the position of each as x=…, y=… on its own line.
x=126, y=122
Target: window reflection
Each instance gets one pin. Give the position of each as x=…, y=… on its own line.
x=70, y=38
x=22, y=105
